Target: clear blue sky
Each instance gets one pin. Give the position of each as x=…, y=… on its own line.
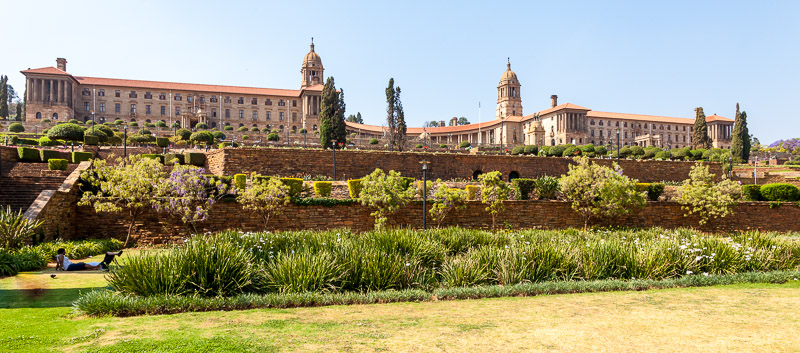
x=646, y=57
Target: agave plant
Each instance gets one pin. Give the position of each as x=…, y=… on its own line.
x=15, y=228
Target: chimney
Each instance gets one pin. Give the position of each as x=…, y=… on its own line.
x=441, y=123
x=61, y=64
x=553, y=101
x=454, y=121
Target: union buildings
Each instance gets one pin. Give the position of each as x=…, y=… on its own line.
x=55, y=94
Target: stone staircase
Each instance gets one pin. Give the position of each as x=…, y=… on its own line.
x=20, y=192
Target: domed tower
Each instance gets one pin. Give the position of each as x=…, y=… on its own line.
x=509, y=101
x=312, y=70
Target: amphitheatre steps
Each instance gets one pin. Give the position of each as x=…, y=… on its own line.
x=20, y=192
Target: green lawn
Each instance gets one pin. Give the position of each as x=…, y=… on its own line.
x=36, y=315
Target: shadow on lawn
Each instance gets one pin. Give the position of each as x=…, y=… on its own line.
x=41, y=297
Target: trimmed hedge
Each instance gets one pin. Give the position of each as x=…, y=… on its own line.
x=654, y=191
x=472, y=192
x=323, y=188
x=228, y=144
x=523, y=187
x=91, y=140
x=78, y=157
x=26, y=141
x=531, y=149
x=194, y=158
x=354, y=188
x=240, y=181
x=780, y=192
x=162, y=142
x=45, y=141
x=27, y=154
x=57, y=164
x=173, y=158
x=46, y=155
x=751, y=192
x=373, y=141
x=464, y=144
x=159, y=157
x=295, y=186
x=322, y=201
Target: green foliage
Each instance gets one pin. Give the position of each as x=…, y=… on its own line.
x=600, y=150
x=556, y=151
x=354, y=188
x=68, y=132
x=531, y=150
x=523, y=188
x=385, y=193
x=546, y=187
x=46, y=155
x=445, y=199
x=194, y=158
x=91, y=139
x=240, y=181
x=571, y=151
x=373, y=141
x=702, y=196
x=493, y=192
x=203, y=137
x=322, y=188
x=464, y=144
x=201, y=126
x=588, y=148
x=472, y=192
x=654, y=191
x=27, y=154
x=184, y=134
x=56, y=164
x=751, y=192
x=162, y=142
x=265, y=198
x=637, y=151
x=158, y=157
x=16, y=127
x=44, y=141
x=245, y=137
x=700, y=138
x=780, y=192
x=321, y=201
x=518, y=150
x=295, y=186
x=442, y=145
x=331, y=115
x=173, y=158
x=599, y=191
x=78, y=157
x=228, y=128
x=24, y=141
x=419, y=145
x=15, y=228
x=273, y=137
x=242, y=128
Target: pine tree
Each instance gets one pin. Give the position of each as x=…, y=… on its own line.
x=359, y=119
x=737, y=138
x=4, y=97
x=401, y=122
x=745, y=138
x=391, y=117
x=331, y=116
x=700, y=137
x=340, y=130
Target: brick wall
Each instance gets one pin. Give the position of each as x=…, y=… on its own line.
x=56, y=209
x=156, y=228
x=355, y=164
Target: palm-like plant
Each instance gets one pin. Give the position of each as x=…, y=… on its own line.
x=15, y=228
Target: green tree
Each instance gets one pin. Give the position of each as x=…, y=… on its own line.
x=187, y=195
x=740, y=141
x=265, y=198
x=355, y=118
x=126, y=185
x=24, y=101
x=385, y=193
x=3, y=97
x=68, y=132
x=445, y=199
x=700, y=137
x=331, y=115
x=463, y=121
x=599, y=191
x=702, y=196
x=493, y=192
x=395, y=118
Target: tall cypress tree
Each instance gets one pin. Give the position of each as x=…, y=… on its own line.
x=24, y=103
x=700, y=138
x=391, y=116
x=745, y=138
x=737, y=138
x=331, y=115
x=401, y=122
x=4, y=97
x=340, y=130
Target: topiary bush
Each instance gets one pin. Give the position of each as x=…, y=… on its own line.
x=600, y=151
x=373, y=141
x=162, y=142
x=751, y=192
x=91, y=140
x=173, y=158
x=159, y=157
x=57, y=164
x=68, y=132
x=46, y=155
x=571, y=151
x=245, y=137
x=518, y=150
x=218, y=135
x=228, y=128
x=523, y=187
x=242, y=129
x=183, y=134
x=419, y=145
x=323, y=188
x=295, y=186
x=201, y=126
x=556, y=151
x=472, y=192
x=27, y=154
x=464, y=144
x=354, y=188
x=45, y=141
x=24, y=141
x=16, y=127
x=780, y=192
x=240, y=181
x=194, y=158
x=530, y=150
x=202, y=137
x=78, y=157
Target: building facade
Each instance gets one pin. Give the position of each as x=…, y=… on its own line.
x=57, y=95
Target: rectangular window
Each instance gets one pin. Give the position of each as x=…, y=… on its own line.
x=117, y=108
x=241, y=100
x=269, y=115
x=227, y=99
x=241, y=114
x=133, y=108
x=163, y=110
x=281, y=103
x=132, y=94
x=294, y=116
x=213, y=99
x=254, y=101
x=227, y=113
x=86, y=92
x=294, y=102
x=162, y=96
x=177, y=96
x=280, y=116
x=86, y=106
x=147, y=109
x=102, y=107
x=202, y=99
x=189, y=99
x=268, y=101
x=148, y=95
x=177, y=111
x=116, y=93
x=255, y=115
x=101, y=93
x=213, y=112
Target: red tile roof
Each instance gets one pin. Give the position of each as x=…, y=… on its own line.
x=559, y=107
x=625, y=116
x=716, y=117
x=45, y=70
x=156, y=85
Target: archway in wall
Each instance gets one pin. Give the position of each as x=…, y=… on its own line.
x=552, y=142
x=55, y=116
x=476, y=173
x=213, y=124
x=38, y=115
x=513, y=175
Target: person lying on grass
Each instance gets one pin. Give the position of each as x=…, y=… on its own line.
x=63, y=262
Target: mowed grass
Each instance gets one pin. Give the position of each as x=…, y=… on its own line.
x=755, y=317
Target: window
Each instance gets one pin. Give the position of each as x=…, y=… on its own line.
x=163, y=110
x=227, y=113
x=280, y=117
x=38, y=115
x=162, y=96
x=241, y=114
x=202, y=99
x=133, y=108
x=294, y=102
x=668, y=127
x=684, y=128
x=188, y=99
x=86, y=106
x=86, y=92
x=294, y=116
x=177, y=96
x=102, y=107
x=148, y=95
x=177, y=111
x=601, y=123
x=592, y=133
x=213, y=99
x=132, y=94
x=268, y=101
x=227, y=99
x=661, y=127
x=617, y=123
x=116, y=93
x=254, y=101
x=255, y=115
x=213, y=112
x=315, y=127
x=625, y=124
x=147, y=109
x=281, y=103
x=591, y=122
x=269, y=115
x=241, y=100
x=117, y=108
x=101, y=93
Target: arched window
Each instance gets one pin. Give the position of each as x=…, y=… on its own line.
x=255, y=125
x=513, y=175
x=213, y=124
x=294, y=129
x=591, y=122
x=476, y=173
x=315, y=127
x=552, y=142
x=38, y=115
x=55, y=116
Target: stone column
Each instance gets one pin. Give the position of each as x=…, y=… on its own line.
x=40, y=91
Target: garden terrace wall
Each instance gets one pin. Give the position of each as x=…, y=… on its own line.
x=154, y=228
x=56, y=208
x=356, y=164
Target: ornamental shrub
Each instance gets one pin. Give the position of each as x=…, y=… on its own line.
x=523, y=187
x=184, y=134
x=654, y=191
x=273, y=137
x=218, y=135
x=201, y=126
x=531, y=150
x=571, y=151
x=493, y=192
x=588, y=148
x=242, y=129
x=16, y=127
x=45, y=141
x=642, y=187
x=46, y=155
x=78, y=157
x=445, y=199
x=751, y=192
x=240, y=181
x=386, y=193
x=91, y=140
x=158, y=157
x=68, y=132
x=245, y=137
x=255, y=129
x=265, y=198
x=464, y=144
x=660, y=155
x=600, y=150
x=137, y=139
x=194, y=158
x=322, y=188
x=625, y=152
x=162, y=142
x=228, y=128
x=637, y=151
x=472, y=192
x=295, y=186
x=556, y=151
x=202, y=137
x=118, y=122
x=24, y=141
x=780, y=192
x=27, y=154
x=442, y=145
x=73, y=121
x=57, y=164
x=419, y=145
x=650, y=152
x=133, y=124
x=701, y=195
x=354, y=188
x=173, y=158
x=518, y=150
x=228, y=144
x=373, y=141
x=546, y=187
x=10, y=139
x=697, y=154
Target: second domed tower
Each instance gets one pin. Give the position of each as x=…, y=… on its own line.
x=509, y=101
x=312, y=71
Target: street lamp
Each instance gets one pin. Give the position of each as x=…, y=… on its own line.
x=334, y=158
x=669, y=147
x=424, y=193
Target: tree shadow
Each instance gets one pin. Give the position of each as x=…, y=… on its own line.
x=41, y=297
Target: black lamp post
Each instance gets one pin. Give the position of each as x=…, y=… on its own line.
x=334, y=158
x=125, y=141
x=669, y=145
x=424, y=194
